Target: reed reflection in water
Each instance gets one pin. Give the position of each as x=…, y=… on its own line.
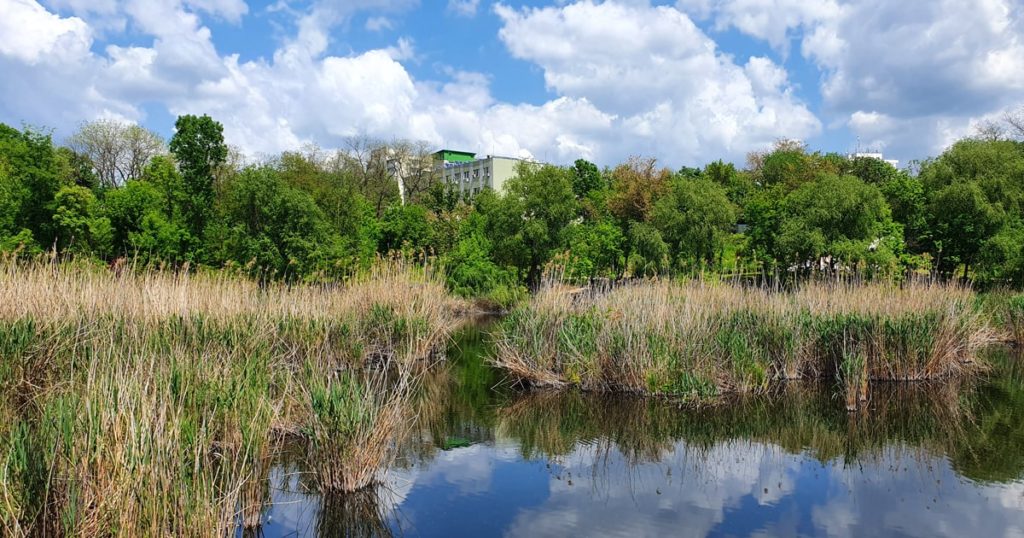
x=921, y=460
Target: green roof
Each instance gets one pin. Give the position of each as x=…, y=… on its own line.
x=453, y=156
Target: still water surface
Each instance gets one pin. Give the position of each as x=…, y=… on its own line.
x=486, y=461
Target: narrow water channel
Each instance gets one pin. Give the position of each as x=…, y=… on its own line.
x=486, y=460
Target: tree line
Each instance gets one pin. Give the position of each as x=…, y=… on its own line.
x=116, y=190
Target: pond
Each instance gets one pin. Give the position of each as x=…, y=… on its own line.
x=487, y=460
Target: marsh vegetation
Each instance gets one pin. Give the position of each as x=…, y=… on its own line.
x=700, y=340
x=544, y=461
x=149, y=403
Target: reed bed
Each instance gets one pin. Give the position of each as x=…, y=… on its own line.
x=1006, y=308
x=149, y=403
x=701, y=340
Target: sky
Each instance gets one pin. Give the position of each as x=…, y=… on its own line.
x=687, y=82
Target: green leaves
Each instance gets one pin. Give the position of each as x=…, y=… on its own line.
x=198, y=145
x=694, y=217
x=78, y=224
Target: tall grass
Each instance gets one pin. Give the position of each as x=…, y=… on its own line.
x=700, y=340
x=148, y=403
x=1006, y=308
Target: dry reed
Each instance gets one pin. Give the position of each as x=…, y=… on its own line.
x=146, y=403
x=700, y=340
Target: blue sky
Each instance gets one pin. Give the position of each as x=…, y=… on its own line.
x=687, y=82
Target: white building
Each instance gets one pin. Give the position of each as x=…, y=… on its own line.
x=472, y=175
x=879, y=156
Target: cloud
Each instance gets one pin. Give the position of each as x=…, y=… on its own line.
x=628, y=78
x=229, y=10
x=664, y=80
x=31, y=34
x=377, y=24
x=936, y=65
x=463, y=8
x=321, y=16
x=50, y=74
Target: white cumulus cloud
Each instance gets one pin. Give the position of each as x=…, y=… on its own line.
x=930, y=67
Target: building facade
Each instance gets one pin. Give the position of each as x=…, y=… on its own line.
x=472, y=175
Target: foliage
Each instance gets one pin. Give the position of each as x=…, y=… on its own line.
x=526, y=224
x=694, y=217
x=275, y=231
x=648, y=254
x=77, y=223
x=316, y=215
x=470, y=272
x=586, y=178
x=198, y=145
x=596, y=250
x=635, y=187
x=962, y=220
x=405, y=227
x=840, y=218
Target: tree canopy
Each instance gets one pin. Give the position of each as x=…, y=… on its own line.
x=311, y=214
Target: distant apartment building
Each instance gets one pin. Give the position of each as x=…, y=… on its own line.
x=471, y=174
x=879, y=156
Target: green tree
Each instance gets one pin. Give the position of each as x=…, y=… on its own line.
x=737, y=185
x=126, y=208
x=198, y=146
x=841, y=217
x=694, y=218
x=871, y=170
x=586, y=178
x=908, y=201
x=595, y=250
x=79, y=227
x=470, y=270
x=336, y=192
x=997, y=166
x=526, y=223
x=76, y=169
x=647, y=253
x=405, y=227
x=276, y=231
x=962, y=220
x=32, y=180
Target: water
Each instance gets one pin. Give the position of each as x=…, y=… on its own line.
x=485, y=461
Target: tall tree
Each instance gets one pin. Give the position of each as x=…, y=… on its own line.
x=962, y=221
x=636, y=185
x=30, y=169
x=585, y=178
x=198, y=145
x=78, y=225
x=694, y=217
x=527, y=223
x=119, y=151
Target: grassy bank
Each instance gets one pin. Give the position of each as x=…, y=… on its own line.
x=150, y=403
x=702, y=340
